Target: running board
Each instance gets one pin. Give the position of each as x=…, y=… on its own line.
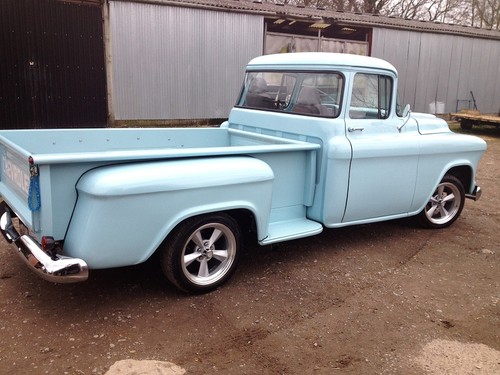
x=291, y=229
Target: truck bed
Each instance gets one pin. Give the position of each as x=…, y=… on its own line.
x=63, y=156
x=111, y=145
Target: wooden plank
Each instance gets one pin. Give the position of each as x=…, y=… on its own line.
x=477, y=117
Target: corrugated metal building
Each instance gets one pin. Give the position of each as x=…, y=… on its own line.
x=440, y=71
x=169, y=60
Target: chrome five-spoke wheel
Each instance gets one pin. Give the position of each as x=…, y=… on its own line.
x=202, y=253
x=445, y=204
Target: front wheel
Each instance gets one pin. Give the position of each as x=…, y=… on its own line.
x=445, y=204
x=201, y=253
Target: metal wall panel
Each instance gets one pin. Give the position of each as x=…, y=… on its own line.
x=51, y=65
x=490, y=85
x=496, y=59
x=279, y=43
x=454, y=67
x=442, y=68
x=179, y=63
x=488, y=62
x=463, y=91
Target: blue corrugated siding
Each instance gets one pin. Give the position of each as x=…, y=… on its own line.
x=179, y=63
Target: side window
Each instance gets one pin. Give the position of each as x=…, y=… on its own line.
x=317, y=94
x=371, y=96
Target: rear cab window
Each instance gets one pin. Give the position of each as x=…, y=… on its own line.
x=301, y=93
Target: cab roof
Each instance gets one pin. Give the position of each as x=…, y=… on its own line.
x=315, y=59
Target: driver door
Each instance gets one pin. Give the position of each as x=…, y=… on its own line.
x=384, y=159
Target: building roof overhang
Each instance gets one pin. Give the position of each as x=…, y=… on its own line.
x=326, y=15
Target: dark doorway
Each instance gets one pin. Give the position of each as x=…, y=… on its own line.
x=52, y=71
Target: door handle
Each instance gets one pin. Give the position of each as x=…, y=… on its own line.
x=355, y=129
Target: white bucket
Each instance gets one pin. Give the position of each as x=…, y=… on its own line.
x=436, y=107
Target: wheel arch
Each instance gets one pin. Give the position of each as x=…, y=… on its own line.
x=243, y=216
x=461, y=169
x=464, y=174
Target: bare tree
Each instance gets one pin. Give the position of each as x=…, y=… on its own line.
x=375, y=6
x=428, y=10
x=480, y=13
x=486, y=14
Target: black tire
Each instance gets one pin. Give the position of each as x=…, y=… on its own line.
x=445, y=204
x=201, y=253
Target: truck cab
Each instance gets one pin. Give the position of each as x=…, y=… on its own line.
x=372, y=151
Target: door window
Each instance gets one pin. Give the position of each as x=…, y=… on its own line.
x=371, y=96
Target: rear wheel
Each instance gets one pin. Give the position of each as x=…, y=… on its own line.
x=445, y=204
x=202, y=252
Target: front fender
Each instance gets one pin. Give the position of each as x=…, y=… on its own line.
x=440, y=154
x=124, y=212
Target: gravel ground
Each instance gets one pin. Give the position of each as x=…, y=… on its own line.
x=386, y=298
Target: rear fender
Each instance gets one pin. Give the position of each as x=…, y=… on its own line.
x=124, y=212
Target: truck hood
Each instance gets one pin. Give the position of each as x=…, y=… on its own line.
x=430, y=124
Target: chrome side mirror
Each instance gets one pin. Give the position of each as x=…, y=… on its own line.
x=406, y=110
x=406, y=116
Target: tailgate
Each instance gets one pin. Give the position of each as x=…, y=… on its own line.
x=17, y=187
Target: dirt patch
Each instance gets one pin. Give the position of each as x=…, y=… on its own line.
x=453, y=357
x=386, y=298
x=133, y=367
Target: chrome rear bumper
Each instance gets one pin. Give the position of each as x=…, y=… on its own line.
x=58, y=268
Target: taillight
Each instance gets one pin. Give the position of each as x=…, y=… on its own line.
x=48, y=243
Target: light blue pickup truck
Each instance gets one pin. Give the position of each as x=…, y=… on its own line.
x=315, y=140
